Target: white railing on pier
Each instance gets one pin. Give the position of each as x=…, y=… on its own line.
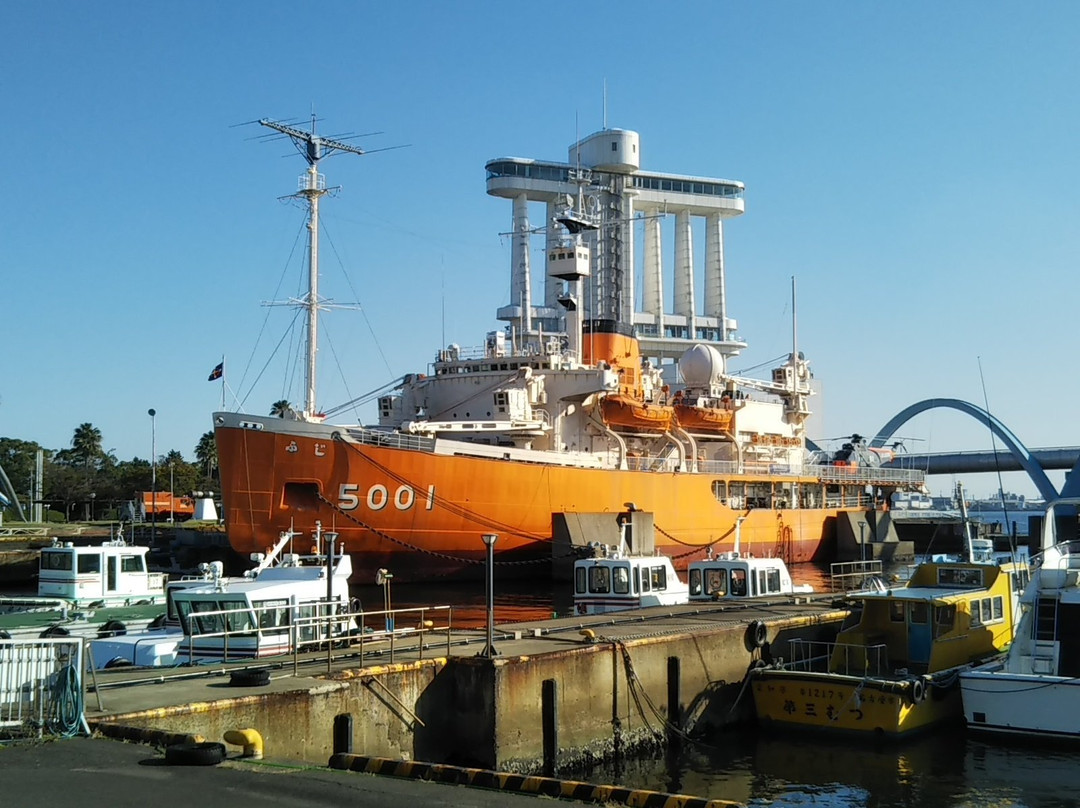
x=244, y=630
x=41, y=687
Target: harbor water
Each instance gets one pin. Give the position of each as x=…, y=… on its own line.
x=946, y=769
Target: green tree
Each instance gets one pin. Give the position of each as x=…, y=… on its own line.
x=86, y=444
x=206, y=454
x=281, y=408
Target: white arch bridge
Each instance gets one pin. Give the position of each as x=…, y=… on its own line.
x=1019, y=457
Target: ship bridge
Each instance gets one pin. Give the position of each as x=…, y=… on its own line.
x=606, y=167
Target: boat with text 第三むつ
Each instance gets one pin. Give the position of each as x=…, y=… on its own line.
x=897, y=670
x=1035, y=690
x=563, y=415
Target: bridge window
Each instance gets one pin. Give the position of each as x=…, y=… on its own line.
x=89, y=563
x=621, y=580
x=659, y=577
x=695, y=581
x=132, y=563
x=716, y=581
x=55, y=561
x=738, y=583
x=944, y=620
x=599, y=580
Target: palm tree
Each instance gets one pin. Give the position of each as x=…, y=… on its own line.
x=206, y=452
x=281, y=408
x=86, y=444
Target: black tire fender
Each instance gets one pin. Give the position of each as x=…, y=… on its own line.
x=195, y=754
x=113, y=628
x=918, y=691
x=54, y=631
x=757, y=634
x=249, y=677
x=157, y=622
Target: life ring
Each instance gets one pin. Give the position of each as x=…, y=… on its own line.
x=757, y=633
x=918, y=691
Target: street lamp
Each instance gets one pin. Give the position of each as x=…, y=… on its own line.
x=489, y=542
x=153, y=476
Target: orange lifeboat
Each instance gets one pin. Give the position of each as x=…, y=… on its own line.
x=628, y=414
x=704, y=419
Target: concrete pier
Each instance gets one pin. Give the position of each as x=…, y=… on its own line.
x=581, y=688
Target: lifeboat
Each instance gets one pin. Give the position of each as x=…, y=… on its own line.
x=631, y=415
x=704, y=419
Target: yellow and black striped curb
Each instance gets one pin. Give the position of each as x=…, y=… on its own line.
x=503, y=781
x=152, y=737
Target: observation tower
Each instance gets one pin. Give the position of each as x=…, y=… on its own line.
x=603, y=173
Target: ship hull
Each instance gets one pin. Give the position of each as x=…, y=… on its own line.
x=422, y=513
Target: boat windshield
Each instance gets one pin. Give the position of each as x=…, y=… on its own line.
x=212, y=616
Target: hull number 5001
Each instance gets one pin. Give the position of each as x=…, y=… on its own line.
x=379, y=496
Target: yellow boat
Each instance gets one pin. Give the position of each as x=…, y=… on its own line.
x=897, y=670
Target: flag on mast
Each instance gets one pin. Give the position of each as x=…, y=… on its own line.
x=217, y=372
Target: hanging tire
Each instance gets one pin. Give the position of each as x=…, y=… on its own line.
x=117, y=662
x=157, y=622
x=4, y=635
x=757, y=634
x=250, y=677
x=54, y=631
x=113, y=628
x=918, y=691
x=195, y=754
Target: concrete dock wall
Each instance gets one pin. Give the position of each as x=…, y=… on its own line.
x=603, y=696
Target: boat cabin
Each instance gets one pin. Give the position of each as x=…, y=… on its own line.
x=612, y=582
x=735, y=576
x=948, y=614
x=284, y=602
x=106, y=574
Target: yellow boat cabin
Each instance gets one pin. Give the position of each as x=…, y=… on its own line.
x=897, y=669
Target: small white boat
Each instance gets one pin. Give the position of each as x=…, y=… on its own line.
x=83, y=589
x=283, y=602
x=614, y=581
x=735, y=576
x=732, y=576
x=1035, y=690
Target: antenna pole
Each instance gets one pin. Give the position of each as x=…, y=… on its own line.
x=314, y=149
x=794, y=340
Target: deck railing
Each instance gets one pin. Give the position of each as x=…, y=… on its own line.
x=328, y=627
x=848, y=659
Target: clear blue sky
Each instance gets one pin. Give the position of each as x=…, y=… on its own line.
x=914, y=165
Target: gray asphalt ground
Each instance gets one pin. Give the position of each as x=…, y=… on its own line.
x=101, y=773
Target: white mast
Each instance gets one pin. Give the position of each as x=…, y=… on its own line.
x=314, y=148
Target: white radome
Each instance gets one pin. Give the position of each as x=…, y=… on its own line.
x=701, y=366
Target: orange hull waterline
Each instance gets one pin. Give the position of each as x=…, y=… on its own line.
x=536, y=425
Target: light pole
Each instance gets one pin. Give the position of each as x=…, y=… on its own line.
x=489, y=542
x=172, y=505
x=153, y=476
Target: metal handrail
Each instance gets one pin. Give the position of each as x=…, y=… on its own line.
x=855, y=659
